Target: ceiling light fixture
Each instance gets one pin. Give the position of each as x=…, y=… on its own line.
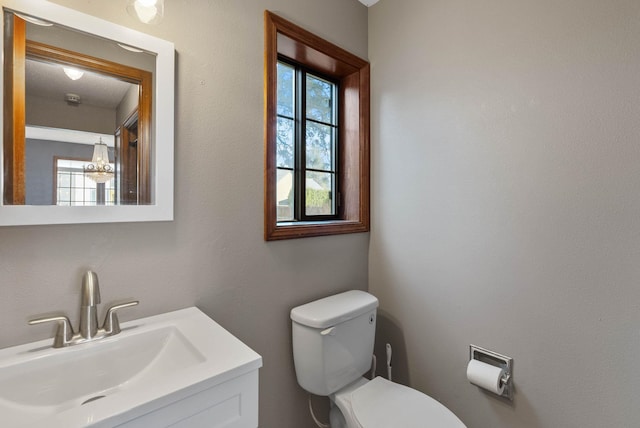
x=147, y=11
x=73, y=73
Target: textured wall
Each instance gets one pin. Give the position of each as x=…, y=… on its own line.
x=59, y=114
x=213, y=254
x=40, y=167
x=506, y=156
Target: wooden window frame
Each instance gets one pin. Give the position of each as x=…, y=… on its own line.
x=353, y=74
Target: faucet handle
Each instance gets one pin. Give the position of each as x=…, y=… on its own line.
x=111, y=324
x=64, y=333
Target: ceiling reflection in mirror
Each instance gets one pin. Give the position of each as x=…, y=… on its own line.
x=66, y=92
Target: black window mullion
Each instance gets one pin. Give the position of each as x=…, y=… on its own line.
x=334, y=149
x=299, y=203
x=285, y=117
x=322, y=123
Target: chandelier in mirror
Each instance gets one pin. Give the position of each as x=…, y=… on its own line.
x=99, y=170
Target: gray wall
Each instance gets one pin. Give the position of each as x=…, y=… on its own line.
x=59, y=114
x=506, y=202
x=40, y=166
x=213, y=254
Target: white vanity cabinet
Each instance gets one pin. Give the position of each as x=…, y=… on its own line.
x=179, y=369
x=228, y=399
x=232, y=404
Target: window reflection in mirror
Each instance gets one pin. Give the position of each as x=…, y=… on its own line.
x=64, y=92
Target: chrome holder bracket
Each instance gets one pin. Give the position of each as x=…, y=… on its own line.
x=493, y=358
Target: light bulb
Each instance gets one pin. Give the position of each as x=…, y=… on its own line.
x=147, y=11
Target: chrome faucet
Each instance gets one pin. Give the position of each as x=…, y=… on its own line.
x=89, y=301
x=89, y=328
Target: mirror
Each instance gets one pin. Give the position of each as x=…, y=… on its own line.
x=77, y=90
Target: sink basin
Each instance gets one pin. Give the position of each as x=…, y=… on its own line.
x=153, y=363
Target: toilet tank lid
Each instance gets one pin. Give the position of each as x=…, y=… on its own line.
x=335, y=309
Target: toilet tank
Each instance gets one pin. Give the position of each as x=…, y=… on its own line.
x=333, y=340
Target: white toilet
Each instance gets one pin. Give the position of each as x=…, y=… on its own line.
x=332, y=348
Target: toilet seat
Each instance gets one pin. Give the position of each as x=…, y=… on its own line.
x=380, y=403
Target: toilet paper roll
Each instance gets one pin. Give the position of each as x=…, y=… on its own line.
x=485, y=376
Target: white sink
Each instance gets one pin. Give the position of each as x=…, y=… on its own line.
x=152, y=369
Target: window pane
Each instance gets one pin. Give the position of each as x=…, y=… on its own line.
x=319, y=146
x=319, y=193
x=90, y=195
x=64, y=195
x=77, y=194
x=77, y=180
x=284, y=195
x=64, y=180
x=64, y=163
x=319, y=100
x=286, y=85
x=285, y=142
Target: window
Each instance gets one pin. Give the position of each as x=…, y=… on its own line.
x=74, y=188
x=316, y=135
x=307, y=144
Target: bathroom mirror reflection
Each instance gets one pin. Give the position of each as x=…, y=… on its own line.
x=87, y=119
x=68, y=91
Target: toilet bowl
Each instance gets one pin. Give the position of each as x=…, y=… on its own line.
x=333, y=342
x=380, y=403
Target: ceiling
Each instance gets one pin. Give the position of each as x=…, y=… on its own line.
x=47, y=80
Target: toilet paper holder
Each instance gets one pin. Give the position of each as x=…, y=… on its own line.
x=495, y=359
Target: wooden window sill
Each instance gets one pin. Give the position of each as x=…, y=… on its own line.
x=306, y=229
